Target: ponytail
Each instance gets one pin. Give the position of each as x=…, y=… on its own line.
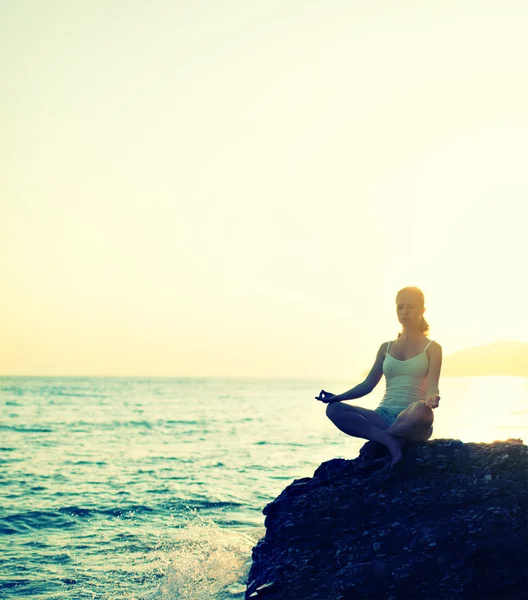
x=424, y=325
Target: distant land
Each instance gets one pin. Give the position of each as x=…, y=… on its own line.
x=499, y=358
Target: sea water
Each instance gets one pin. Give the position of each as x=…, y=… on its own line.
x=154, y=488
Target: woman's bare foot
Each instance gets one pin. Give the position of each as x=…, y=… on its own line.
x=395, y=446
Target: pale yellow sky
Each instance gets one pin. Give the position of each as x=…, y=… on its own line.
x=240, y=188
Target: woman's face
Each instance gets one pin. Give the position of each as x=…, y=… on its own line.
x=409, y=309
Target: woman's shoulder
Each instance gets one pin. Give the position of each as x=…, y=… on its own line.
x=432, y=348
x=433, y=343
x=383, y=349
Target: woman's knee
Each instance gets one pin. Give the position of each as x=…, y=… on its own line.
x=333, y=409
x=422, y=413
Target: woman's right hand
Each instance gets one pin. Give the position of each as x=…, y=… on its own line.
x=325, y=397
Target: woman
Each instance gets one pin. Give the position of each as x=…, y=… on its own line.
x=411, y=365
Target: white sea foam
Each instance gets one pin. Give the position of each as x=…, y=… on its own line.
x=207, y=562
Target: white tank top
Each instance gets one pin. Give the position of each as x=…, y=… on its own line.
x=405, y=380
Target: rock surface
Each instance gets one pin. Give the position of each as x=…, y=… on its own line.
x=450, y=522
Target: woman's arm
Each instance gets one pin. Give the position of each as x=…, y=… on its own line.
x=371, y=381
x=435, y=364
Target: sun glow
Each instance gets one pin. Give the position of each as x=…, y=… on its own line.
x=246, y=199
x=469, y=411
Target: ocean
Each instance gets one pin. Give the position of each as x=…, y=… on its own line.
x=153, y=489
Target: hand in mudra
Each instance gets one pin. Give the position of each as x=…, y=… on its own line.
x=325, y=397
x=432, y=401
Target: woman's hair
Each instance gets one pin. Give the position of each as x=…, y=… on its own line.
x=424, y=325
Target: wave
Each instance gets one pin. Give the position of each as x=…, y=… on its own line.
x=111, y=425
x=19, y=523
x=267, y=443
x=65, y=517
x=97, y=463
x=207, y=562
x=23, y=429
x=69, y=516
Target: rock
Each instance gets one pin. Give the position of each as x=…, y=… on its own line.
x=433, y=527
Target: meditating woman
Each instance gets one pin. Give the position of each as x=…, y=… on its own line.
x=411, y=365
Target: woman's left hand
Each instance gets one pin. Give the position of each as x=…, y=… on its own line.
x=432, y=401
x=325, y=397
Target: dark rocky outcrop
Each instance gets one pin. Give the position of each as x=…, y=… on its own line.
x=450, y=522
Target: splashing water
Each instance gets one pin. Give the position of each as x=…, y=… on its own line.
x=208, y=562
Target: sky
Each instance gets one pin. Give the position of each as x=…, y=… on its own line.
x=234, y=188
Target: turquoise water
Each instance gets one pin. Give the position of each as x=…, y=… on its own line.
x=153, y=488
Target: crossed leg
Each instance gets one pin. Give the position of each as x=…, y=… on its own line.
x=364, y=423
x=414, y=423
